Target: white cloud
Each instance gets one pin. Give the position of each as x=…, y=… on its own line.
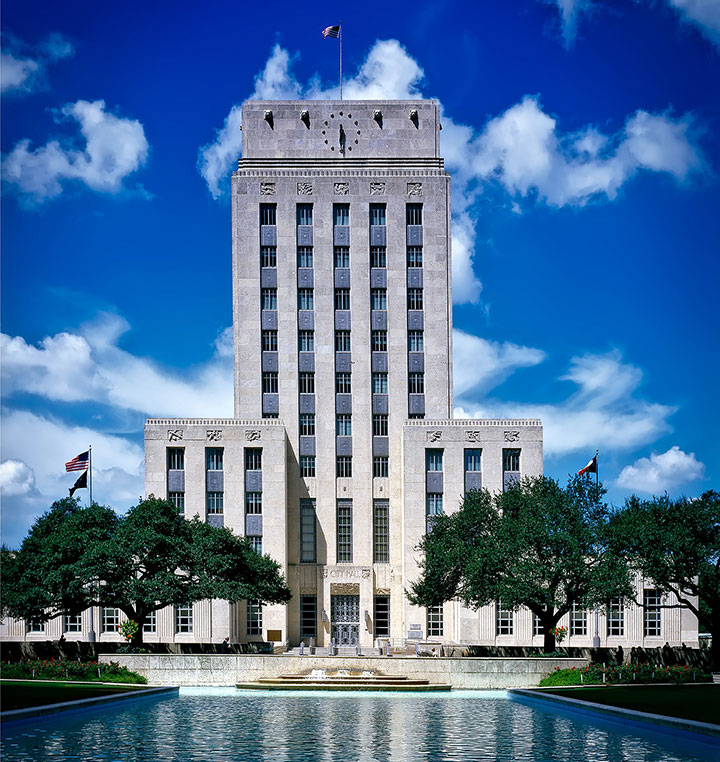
x=705, y=14
x=570, y=11
x=605, y=411
x=661, y=471
x=114, y=148
x=23, y=67
x=16, y=478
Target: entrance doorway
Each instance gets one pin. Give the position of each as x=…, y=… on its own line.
x=345, y=619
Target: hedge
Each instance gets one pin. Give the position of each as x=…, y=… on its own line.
x=55, y=669
x=625, y=673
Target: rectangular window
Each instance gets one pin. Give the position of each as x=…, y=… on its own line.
x=473, y=460
x=578, y=620
x=109, y=619
x=416, y=383
x=305, y=299
x=415, y=298
x=414, y=256
x=304, y=214
x=34, y=626
x=434, y=501
x=381, y=616
x=307, y=424
x=380, y=383
x=416, y=341
x=268, y=298
x=342, y=298
x=150, y=624
x=341, y=214
x=342, y=341
x=306, y=341
x=214, y=458
x=253, y=622
x=651, y=618
x=253, y=503
x=380, y=425
x=253, y=458
x=268, y=214
x=176, y=458
x=255, y=542
x=270, y=382
x=379, y=341
x=504, y=619
x=308, y=616
x=616, y=617
x=307, y=466
x=269, y=341
x=435, y=621
x=306, y=382
x=343, y=383
x=215, y=502
x=433, y=460
x=381, y=532
x=343, y=425
x=184, y=618
x=537, y=626
x=344, y=466
x=341, y=256
x=308, y=532
x=378, y=299
x=178, y=500
x=414, y=214
x=305, y=256
x=380, y=466
x=344, y=532
x=377, y=214
x=72, y=623
x=511, y=460
x=268, y=256
x=378, y=256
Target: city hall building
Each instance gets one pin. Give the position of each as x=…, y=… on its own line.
x=343, y=447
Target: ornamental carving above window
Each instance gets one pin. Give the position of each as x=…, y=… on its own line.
x=377, y=189
x=174, y=435
x=512, y=436
x=267, y=189
x=342, y=189
x=252, y=434
x=213, y=435
x=304, y=189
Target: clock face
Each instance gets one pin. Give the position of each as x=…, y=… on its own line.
x=340, y=132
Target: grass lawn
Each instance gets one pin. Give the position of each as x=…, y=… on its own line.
x=20, y=694
x=691, y=702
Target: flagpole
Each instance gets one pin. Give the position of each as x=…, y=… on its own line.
x=340, y=35
x=596, y=639
x=92, y=638
x=90, y=472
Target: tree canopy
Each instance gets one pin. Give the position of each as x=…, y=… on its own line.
x=537, y=545
x=140, y=562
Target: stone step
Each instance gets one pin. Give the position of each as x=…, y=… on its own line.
x=303, y=686
x=338, y=677
x=338, y=681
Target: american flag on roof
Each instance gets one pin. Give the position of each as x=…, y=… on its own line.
x=79, y=462
x=331, y=31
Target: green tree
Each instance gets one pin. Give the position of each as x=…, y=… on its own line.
x=537, y=545
x=676, y=543
x=140, y=562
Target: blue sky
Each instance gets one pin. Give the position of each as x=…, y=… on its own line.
x=582, y=138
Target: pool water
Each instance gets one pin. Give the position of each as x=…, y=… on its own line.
x=225, y=725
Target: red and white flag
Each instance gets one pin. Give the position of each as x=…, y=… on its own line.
x=331, y=31
x=591, y=467
x=79, y=462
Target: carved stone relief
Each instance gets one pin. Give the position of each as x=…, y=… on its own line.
x=175, y=435
x=304, y=189
x=377, y=189
x=214, y=435
x=267, y=189
x=512, y=436
x=342, y=189
x=414, y=189
x=472, y=436
x=434, y=436
x=252, y=434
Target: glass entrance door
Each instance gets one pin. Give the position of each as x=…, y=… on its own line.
x=345, y=619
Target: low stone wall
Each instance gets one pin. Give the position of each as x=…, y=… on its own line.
x=474, y=673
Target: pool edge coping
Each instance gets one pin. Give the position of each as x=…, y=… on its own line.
x=706, y=729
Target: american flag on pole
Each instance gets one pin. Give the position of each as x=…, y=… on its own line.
x=331, y=31
x=79, y=462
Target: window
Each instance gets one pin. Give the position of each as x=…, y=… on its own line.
x=33, y=625
x=268, y=214
x=305, y=256
x=416, y=383
x=414, y=214
x=304, y=214
x=381, y=532
x=503, y=619
x=341, y=214
x=414, y=256
x=253, y=623
x=344, y=532
x=380, y=466
x=268, y=256
x=184, y=618
x=435, y=621
x=305, y=299
x=616, y=617
x=511, y=460
x=307, y=382
x=308, y=616
x=176, y=458
x=380, y=425
x=377, y=214
x=72, y=623
x=433, y=460
x=253, y=459
x=537, y=626
x=341, y=255
x=378, y=299
x=270, y=382
x=150, y=624
x=342, y=298
x=578, y=620
x=214, y=458
x=255, y=542
x=253, y=503
x=378, y=256
x=343, y=383
x=379, y=383
x=343, y=425
x=307, y=465
x=306, y=341
x=434, y=503
x=342, y=341
x=416, y=415
x=308, y=532
x=109, y=619
x=178, y=500
x=651, y=618
x=415, y=341
x=269, y=341
x=268, y=298
x=379, y=341
x=415, y=299
x=344, y=465
x=214, y=502
x=381, y=616
x=473, y=460
x=307, y=424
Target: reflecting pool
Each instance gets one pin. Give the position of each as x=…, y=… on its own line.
x=223, y=725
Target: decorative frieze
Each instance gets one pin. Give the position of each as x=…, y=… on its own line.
x=511, y=436
x=434, y=436
x=304, y=189
x=342, y=189
x=213, y=435
x=414, y=189
x=252, y=435
x=377, y=189
x=175, y=435
x=267, y=189
x=472, y=436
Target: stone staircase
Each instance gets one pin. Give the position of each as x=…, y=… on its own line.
x=343, y=680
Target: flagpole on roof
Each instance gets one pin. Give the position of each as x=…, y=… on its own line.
x=340, y=36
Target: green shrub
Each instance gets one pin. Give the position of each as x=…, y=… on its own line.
x=85, y=671
x=593, y=674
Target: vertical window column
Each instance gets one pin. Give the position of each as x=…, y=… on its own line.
x=344, y=531
x=381, y=532
x=214, y=486
x=378, y=338
x=268, y=307
x=176, y=477
x=343, y=367
x=306, y=338
x=253, y=497
x=308, y=531
x=473, y=469
x=433, y=485
x=415, y=311
x=381, y=616
x=511, y=467
x=308, y=616
x=652, y=623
